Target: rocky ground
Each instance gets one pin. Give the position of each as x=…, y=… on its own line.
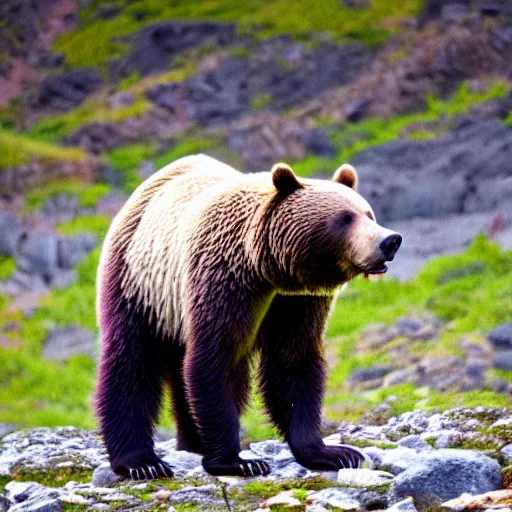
x=413, y=462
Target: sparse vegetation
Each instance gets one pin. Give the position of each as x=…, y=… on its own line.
x=17, y=149
x=97, y=40
x=87, y=195
x=353, y=138
x=7, y=267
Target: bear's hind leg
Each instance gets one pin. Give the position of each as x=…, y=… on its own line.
x=188, y=438
x=130, y=391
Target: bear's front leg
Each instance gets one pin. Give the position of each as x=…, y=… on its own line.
x=216, y=373
x=292, y=379
x=211, y=388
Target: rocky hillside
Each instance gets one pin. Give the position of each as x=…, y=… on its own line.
x=97, y=95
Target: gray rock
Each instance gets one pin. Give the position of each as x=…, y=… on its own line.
x=62, y=278
x=73, y=249
x=503, y=359
x=442, y=475
x=36, y=505
x=67, y=341
x=406, y=505
x=415, y=442
x=313, y=508
x=10, y=231
x=203, y=494
x=155, y=45
x=38, y=253
x=501, y=337
x=506, y=453
x=67, y=90
x=5, y=503
x=345, y=499
x=368, y=374
x=146, y=169
x=61, y=207
x=103, y=476
x=476, y=156
x=397, y=460
x=22, y=491
x=120, y=99
x=366, y=478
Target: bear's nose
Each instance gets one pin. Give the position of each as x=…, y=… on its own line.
x=390, y=245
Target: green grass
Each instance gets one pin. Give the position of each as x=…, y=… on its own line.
x=371, y=132
x=7, y=267
x=473, y=303
x=97, y=224
x=17, y=149
x=88, y=195
x=35, y=392
x=187, y=146
x=97, y=41
x=93, y=110
x=125, y=161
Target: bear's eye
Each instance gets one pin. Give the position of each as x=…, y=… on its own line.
x=347, y=219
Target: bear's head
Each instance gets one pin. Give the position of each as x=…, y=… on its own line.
x=322, y=233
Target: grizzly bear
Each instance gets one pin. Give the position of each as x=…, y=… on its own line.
x=203, y=269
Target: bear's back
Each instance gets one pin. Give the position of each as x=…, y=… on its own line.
x=146, y=237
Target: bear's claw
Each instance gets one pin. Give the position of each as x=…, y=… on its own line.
x=254, y=468
x=347, y=456
x=241, y=467
x=148, y=472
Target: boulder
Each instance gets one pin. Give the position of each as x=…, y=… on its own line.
x=443, y=475
x=73, y=249
x=38, y=253
x=67, y=90
x=64, y=342
x=407, y=179
x=501, y=337
x=154, y=46
x=10, y=232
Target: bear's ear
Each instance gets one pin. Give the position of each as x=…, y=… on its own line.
x=346, y=175
x=283, y=179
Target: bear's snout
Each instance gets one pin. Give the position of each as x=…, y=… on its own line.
x=390, y=245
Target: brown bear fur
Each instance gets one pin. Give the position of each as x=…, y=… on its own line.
x=203, y=268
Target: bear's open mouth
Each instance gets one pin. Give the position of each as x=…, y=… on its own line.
x=375, y=271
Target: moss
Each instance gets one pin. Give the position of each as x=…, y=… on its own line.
x=188, y=146
x=7, y=267
x=97, y=41
x=94, y=110
x=266, y=488
x=260, y=101
x=353, y=138
x=17, y=149
x=125, y=161
x=88, y=195
x=53, y=477
x=97, y=224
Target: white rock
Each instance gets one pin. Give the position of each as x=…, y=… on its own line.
x=345, y=499
x=285, y=498
x=406, y=505
x=363, y=477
